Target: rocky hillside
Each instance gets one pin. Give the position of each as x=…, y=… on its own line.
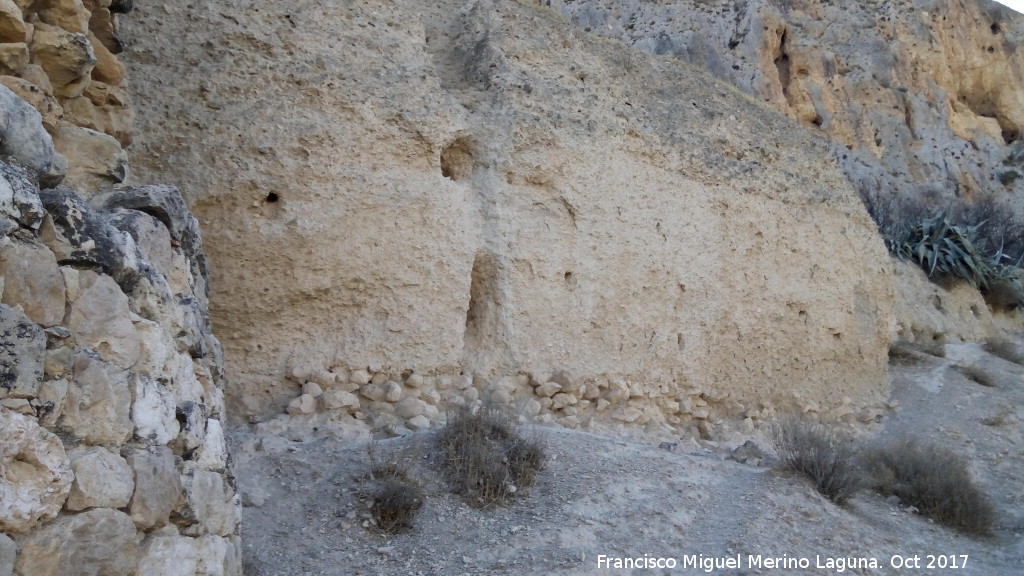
x=920, y=98
x=439, y=202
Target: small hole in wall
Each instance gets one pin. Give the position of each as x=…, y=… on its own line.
x=996, y=29
x=457, y=160
x=273, y=197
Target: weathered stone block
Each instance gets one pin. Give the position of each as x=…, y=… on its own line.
x=12, y=26
x=170, y=556
x=95, y=160
x=102, y=479
x=22, y=351
x=14, y=57
x=51, y=401
x=153, y=410
x=304, y=404
x=211, y=505
x=338, y=399
x=67, y=58
x=95, y=542
x=158, y=488
x=97, y=409
x=23, y=138
x=108, y=69
x=8, y=552
x=99, y=319
x=71, y=15
x=32, y=281
x=80, y=236
x=212, y=453
x=37, y=475
x=219, y=556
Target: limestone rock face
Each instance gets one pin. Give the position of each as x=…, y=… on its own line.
x=920, y=97
x=527, y=199
x=37, y=475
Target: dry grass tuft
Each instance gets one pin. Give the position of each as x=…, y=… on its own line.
x=978, y=374
x=934, y=480
x=486, y=459
x=903, y=352
x=395, y=497
x=816, y=451
x=1005, y=349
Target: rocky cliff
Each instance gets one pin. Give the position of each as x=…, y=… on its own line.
x=408, y=204
x=920, y=98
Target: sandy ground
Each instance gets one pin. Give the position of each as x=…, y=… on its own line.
x=617, y=497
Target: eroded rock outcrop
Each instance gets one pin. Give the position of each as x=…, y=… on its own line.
x=477, y=195
x=922, y=98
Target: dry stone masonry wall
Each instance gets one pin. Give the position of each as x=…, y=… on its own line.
x=60, y=56
x=112, y=452
x=357, y=403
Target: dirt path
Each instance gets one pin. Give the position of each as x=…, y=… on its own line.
x=622, y=498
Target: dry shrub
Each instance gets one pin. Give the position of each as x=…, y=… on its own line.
x=1005, y=349
x=251, y=566
x=395, y=496
x=934, y=480
x=979, y=375
x=818, y=452
x=486, y=458
x=903, y=352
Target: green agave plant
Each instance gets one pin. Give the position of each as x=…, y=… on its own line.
x=939, y=246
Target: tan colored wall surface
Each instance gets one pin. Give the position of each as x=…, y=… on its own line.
x=479, y=187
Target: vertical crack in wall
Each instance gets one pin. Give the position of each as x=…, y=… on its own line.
x=782, y=65
x=486, y=337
